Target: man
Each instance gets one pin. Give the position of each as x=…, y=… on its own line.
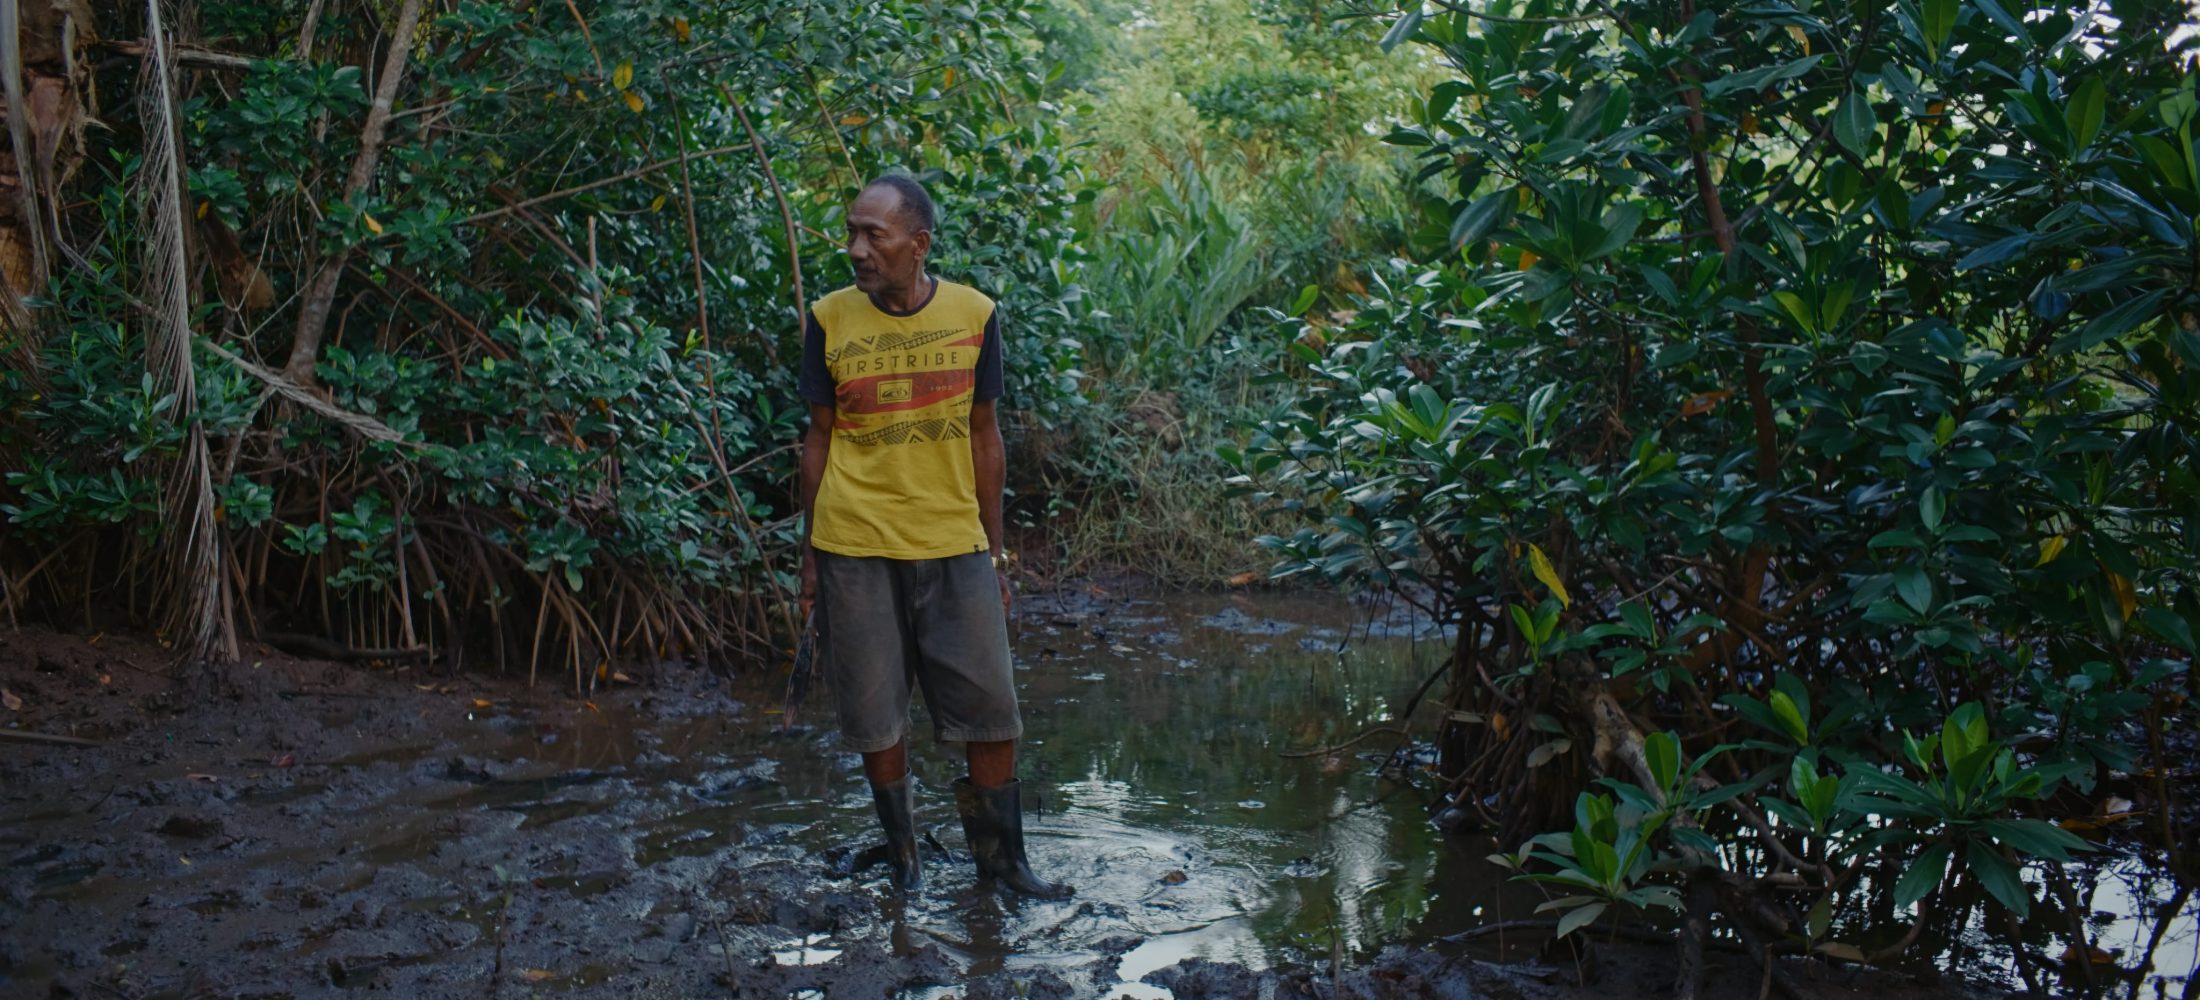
x=901, y=479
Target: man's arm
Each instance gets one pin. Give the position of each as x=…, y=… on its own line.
x=990, y=457
x=817, y=440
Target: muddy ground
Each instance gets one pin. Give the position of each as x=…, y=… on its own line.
x=327, y=829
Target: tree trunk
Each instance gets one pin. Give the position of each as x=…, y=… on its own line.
x=45, y=78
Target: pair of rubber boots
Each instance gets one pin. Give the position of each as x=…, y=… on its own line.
x=993, y=823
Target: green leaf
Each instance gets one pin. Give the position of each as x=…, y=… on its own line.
x=1402, y=29
x=1915, y=588
x=1854, y=123
x=1579, y=917
x=2088, y=108
x=1999, y=877
x=1939, y=23
x=1305, y=300
x=2111, y=324
x=2037, y=838
x=2169, y=626
x=1930, y=508
x=1923, y=876
x=1477, y=220
x=1663, y=752
x=1790, y=717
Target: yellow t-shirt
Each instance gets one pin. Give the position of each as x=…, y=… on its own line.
x=900, y=481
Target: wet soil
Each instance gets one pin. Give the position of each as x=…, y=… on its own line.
x=327, y=829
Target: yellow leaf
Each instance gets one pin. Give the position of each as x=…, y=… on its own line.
x=372, y=226
x=1749, y=123
x=2127, y=599
x=634, y=102
x=1796, y=32
x=623, y=77
x=1528, y=259
x=657, y=204
x=1527, y=195
x=950, y=76
x=680, y=29
x=854, y=118
x=2051, y=548
x=1540, y=564
x=203, y=207
x=483, y=703
x=1498, y=723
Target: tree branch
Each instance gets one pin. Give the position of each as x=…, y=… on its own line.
x=320, y=297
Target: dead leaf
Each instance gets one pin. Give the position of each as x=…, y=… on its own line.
x=591, y=706
x=854, y=118
x=1244, y=579
x=680, y=29
x=372, y=226
x=484, y=703
x=2127, y=598
x=1175, y=878
x=634, y=102
x=1540, y=565
x=1705, y=402
x=106, y=679
x=286, y=760
x=538, y=975
x=94, y=640
x=1528, y=259
x=2092, y=953
x=1844, y=952
x=620, y=678
x=10, y=700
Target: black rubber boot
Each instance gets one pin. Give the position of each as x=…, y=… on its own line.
x=898, y=817
x=993, y=822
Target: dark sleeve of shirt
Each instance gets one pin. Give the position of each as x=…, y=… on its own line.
x=989, y=362
x=815, y=381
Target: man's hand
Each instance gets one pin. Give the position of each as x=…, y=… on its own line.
x=809, y=581
x=1008, y=593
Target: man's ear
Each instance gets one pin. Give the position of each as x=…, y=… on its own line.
x=924, y=242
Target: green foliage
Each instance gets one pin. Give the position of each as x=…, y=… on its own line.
x=522, y=304
x=1854, y=345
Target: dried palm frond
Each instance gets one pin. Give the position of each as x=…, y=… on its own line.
x=198, y=617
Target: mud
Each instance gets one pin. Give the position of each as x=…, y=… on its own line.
x=329, y=830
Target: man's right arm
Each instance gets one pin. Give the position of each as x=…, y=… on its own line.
x=816, y=442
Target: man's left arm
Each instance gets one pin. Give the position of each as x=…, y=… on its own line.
x=989, y=455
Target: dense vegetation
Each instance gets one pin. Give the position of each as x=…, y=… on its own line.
x=1793, y=404
x=1802, y=435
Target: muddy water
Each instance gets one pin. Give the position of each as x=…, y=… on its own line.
x=685, y=844
x=679, y=839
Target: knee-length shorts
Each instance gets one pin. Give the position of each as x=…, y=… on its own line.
x=886, y=626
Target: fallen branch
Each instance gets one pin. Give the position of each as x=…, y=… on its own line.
x=357, y=423
x=185, y=56
x=1326, y=751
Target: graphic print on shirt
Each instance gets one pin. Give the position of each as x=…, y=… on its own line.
x=884, y=385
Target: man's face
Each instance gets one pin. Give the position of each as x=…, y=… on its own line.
x=885, y=250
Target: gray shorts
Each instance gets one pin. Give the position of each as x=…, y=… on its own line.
x=882, y=622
